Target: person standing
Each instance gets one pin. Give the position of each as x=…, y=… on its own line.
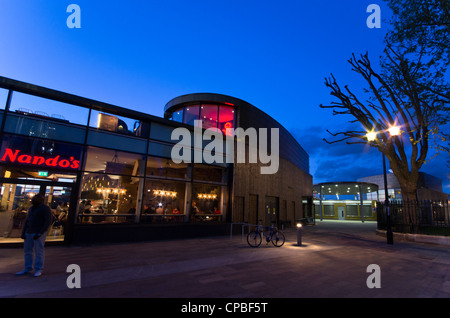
x=34, y=232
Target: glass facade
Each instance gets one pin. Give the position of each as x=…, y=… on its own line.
x=226, y=119
x=216, y=116
x=98, y=167
x=178, y=115
x=206, y=203
x=107, y=198
x=164, y=201
x=48, y=110
x=118, y=124
x=191, y=113
x=209, y=115
x=345, y=201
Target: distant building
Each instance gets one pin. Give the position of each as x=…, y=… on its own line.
x=429, y=187
x=345, y=200
x=356, y=200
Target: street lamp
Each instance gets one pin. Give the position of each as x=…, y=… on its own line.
x=371, y=136
x=394, y=131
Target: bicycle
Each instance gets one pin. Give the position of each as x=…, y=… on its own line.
x=254, y=238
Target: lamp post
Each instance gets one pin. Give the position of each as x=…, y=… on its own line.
x=389, y=235
x=299, y=234
x=371, y=136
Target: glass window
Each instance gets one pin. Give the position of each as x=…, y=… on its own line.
x=208, y=115
x=23, y=124
x=226, y=118
x=352, y=210
x=107, y=198
x=120, y=142
x=3, y=97
x=161, y=132
x=209, y=173
x=367, y=210
x=166, y=168
x=206, y=203
x=178, y=115
x=317, y=209
x=42, y=108
x=160, y=149
x=191, y=113
x=114, y=162
x=328, y=210
x=164, y=201
x=118, y=124
x=15, y=201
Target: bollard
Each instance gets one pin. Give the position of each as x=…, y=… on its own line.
x=299, y=234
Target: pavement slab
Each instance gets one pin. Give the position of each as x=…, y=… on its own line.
x=331, y=263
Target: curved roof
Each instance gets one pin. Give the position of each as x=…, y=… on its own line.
x=345, y=187
x=204, y=97
x=249, y=116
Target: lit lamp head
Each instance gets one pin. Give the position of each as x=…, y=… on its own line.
x=299, y=225
x=371, y=136
x=394, y=131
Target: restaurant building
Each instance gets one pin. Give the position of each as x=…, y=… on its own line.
x=108, y=171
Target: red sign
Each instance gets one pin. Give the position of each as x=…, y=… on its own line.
x=227, y=125
x=57, y=162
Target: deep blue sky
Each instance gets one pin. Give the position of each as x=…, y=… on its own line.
x=140, y=54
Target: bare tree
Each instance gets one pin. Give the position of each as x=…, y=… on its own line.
x=410, y=91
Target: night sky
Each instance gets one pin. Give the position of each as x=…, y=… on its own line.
x=273, y=54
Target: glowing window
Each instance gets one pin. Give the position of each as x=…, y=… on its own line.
x=208, y=115
x=226, y=118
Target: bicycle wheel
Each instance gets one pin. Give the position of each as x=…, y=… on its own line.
x=254, y=239
x=278, y=239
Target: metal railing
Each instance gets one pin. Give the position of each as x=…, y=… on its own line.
x=417, y=217
x=243, y=226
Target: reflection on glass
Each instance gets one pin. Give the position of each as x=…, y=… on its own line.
x=191, y=113
x=42, y=108
x=114, y=162
x=3, y=97
x=178, y=115
x=208, y=173
x=165, y=168
x=23, y=124
x=118, y=124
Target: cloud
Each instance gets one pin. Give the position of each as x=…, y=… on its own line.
x=343, y=162
x=339, y=161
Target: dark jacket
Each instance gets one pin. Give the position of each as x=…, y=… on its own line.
x=39, y=218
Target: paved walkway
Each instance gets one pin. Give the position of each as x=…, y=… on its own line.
x=332, y=262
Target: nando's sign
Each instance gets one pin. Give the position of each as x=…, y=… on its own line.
x=57, y=161
x=30, y=152
x=39, y=153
